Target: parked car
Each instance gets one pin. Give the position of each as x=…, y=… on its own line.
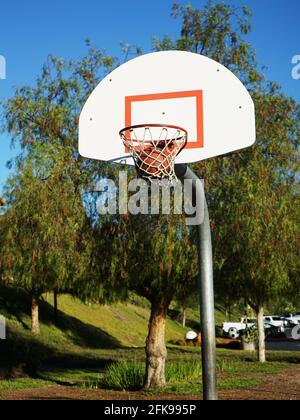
x=276, y=321
x=288, y=322
x=292, y=320
x=296, y=317
x=272, y=330
x=233, y=329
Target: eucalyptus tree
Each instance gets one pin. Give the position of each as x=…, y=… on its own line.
x=160, y=260
x=149, y=255
x=47, y=113
x=50, y=174
x=254, y=206
x=251, y=194
x=217, y=30
x=43, y=236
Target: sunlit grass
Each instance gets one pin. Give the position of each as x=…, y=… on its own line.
x=23, y=383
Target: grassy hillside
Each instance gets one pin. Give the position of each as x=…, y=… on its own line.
x=84, y=332
x=90, y=326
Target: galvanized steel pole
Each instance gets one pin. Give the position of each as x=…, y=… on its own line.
x=206, y=290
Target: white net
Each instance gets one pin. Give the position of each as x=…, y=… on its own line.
x=154, y=149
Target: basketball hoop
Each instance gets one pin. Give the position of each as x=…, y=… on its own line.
x=154, y=148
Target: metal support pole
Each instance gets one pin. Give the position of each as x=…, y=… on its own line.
x=206, y=290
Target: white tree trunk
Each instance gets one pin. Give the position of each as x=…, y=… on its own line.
x=261, y=335
x=184, y=317
x=55, y=305
x=35, y=323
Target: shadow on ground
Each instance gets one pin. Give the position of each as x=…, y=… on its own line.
x=22, y=352
x=16, y=304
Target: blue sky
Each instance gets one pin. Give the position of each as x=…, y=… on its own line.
x=30, y=30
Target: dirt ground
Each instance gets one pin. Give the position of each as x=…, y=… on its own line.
x=282, y=386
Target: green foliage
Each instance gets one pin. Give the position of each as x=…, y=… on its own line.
x=44, y=118
x=129, y=376
x=253, y=195
x=216, y=30
x=47, y=238
x=183, y=370
x=182, y=374
x=42, y=231
x=256, y=209
x=125, y=376
x=165, y=257
x=250, y=334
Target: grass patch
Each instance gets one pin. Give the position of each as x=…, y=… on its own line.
x=238, y=383
x=183, y=370
x=195, y=388
x=226, y=366
x=129, y=376
x=124, y=376
x=184, y=376
x=180, y=375
x=23, y=383
x=72, y=377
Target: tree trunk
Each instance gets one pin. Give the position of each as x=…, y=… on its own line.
x=35, y=323
x=184, y=317
x=55, y=307
x=156, y=351
x=261, y=335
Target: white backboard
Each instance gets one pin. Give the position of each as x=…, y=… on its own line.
x=171, y=87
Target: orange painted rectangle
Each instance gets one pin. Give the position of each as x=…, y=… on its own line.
x=198, y=94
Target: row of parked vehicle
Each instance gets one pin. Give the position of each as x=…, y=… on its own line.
x=274, y=325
